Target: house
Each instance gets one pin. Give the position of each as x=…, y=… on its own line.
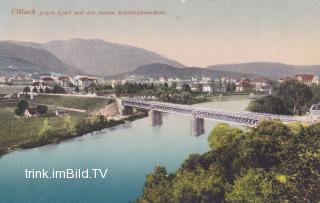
x=3, y=80
x=207, y=88
x=47, y=80
x=308, y=79
x=194, y=87
x=31, y=112
x=244, y=85
x=60, y=112
x=261, y=84
x=21, y=80
x=314, y=114
x=84, y=81
x=64, y=81
x=115, y=83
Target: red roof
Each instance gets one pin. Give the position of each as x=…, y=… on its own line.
x=86, y=78
x=48, y=78
x=261, y=80
x=245, y=84
x=305, y=77
x=63, y=78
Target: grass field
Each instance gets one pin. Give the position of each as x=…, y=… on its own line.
x=84, y=103
x=15, y=131
x=18, y=130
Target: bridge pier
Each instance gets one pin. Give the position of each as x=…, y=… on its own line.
x=123, y=109
x=197, y=126
x=155, y=117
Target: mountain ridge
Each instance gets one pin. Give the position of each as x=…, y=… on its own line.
x=159, y=70
x=20, y=59
x=272, y=70
x=100, y=57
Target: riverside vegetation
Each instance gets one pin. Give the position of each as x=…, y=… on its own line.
x=290, y=97
x=162, y=92
x=20, y=132
x=270, y=163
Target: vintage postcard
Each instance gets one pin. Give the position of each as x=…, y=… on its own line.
x=159, y=101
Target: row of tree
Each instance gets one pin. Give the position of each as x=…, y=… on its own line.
x=161, y=91
x=270, y=163
x=57, y=89
x=290, y=97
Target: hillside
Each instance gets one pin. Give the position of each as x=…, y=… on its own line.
x=158, y=70
x=100, y=57
x=267, y=69
x=17, y=59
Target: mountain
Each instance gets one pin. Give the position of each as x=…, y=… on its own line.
x=267, y=69
x=159, y=70
x=99, y=57
x=17, y=59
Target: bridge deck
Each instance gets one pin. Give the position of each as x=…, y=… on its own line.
x=244, y=118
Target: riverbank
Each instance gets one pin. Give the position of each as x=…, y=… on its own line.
x=22, y=132
x=84, y=126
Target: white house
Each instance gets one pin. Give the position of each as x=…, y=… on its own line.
x=31, y=112
x=314, y=114
x=207, y=88
x=261, y=84
x=84, y=81
x=308, y=79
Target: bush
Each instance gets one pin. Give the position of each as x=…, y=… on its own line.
x=21, y=107
x=268, y=104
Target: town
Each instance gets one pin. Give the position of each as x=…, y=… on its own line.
x=85, y=85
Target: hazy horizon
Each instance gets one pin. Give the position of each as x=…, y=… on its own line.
x=193, y=32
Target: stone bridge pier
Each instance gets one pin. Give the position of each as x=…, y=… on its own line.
x=155, y=118
x=197, y=126
x=123, y=109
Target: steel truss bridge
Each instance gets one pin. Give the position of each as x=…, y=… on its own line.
x=244, y=118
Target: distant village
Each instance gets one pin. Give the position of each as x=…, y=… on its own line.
x=77, y=84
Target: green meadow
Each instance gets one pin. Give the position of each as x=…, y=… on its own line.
x=17, y=131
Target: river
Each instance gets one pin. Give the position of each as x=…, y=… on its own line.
x=128, y=151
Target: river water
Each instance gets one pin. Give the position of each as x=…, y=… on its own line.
x=129, y=152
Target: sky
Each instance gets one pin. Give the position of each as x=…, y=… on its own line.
x=193, y=32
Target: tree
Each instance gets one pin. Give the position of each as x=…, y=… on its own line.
x=41, y=90
x=58, y=90
x=294, y=94
x=21, y=107
x=76, y=89
x=157, y=186
x=47, y=90
x=186, y=88
x=42, y=109
x=270, y=163
x=222, y=135
x=253, y=186
x=200, y=88
x=231, y=87
x=34, y=89
x=197, y=186
x=164, y=96
x=26, y=90
x=268, y=104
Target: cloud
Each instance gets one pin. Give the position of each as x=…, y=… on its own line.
x=183, y=1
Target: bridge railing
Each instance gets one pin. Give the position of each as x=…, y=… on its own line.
x=244, y=117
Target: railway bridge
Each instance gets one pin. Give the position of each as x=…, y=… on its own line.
x=198, y=114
